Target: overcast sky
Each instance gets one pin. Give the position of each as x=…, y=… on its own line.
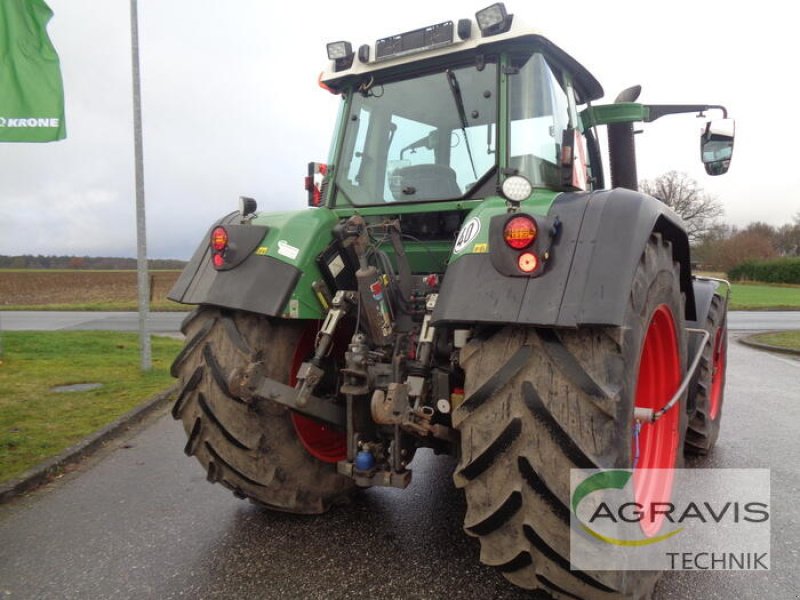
x=231, y=106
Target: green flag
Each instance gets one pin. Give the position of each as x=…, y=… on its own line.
x=31, y=91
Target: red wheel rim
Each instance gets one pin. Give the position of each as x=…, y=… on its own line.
x=320, y=441
x=718, y=375
x=659, y=378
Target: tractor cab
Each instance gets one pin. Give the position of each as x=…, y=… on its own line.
x=447, y=112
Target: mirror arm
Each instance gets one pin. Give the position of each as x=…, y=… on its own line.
x=656, y=111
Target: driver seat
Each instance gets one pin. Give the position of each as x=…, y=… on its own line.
x=424, y=182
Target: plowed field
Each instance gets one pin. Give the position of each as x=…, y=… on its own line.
x=81, y=290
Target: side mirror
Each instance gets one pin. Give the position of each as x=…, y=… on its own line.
x=315, y=182
x=716, y=146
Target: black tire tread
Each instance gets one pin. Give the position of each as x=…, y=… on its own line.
x=703, y=431
x=575, y=372
x=553, y=428
x=499, y=445
x=210, y=416
x=191, y=345
x=498, y=517
x=251, y=447
x=568, y=401
x=189, y=386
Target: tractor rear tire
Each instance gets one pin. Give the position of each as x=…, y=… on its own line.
x=542, y=401
x=709, y=391
x=251, y=448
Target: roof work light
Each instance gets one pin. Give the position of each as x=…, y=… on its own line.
x=342, y=54
x=493, y=19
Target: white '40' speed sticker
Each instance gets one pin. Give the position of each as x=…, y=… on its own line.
x=469, y=231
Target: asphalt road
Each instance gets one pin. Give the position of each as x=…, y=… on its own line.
x=142, y=522
x=158, y=322
x=169, y=322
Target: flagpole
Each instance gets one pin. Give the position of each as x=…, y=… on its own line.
x=143, y=283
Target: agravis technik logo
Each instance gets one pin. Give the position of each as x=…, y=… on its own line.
x=670, y=519
x=628, y=512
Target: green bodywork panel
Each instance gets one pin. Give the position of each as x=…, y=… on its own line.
x=538, y=204
x=297, y=238
x=609, y=114
x=631, y=112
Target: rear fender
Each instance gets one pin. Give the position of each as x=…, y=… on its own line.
x=273, y=268
x=588, y=277
x=704, y=290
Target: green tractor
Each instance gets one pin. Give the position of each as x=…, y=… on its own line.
x=463, y=280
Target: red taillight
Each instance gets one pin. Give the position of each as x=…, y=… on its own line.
x=219, y=244
x=219, y=239
x=520, y=232
x=314, y=182
x=527, y=262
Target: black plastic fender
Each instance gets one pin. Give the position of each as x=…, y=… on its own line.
x=589, y=274
x=704, y=290
x=257, y=284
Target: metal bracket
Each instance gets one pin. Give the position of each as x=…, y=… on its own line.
x=310, y=373
x=393, y=408
x=376, y=477
x=250, y=383
x=725, y=282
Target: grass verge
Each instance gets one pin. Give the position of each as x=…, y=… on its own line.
x=755, y=296
x=790, y=340
x=37, y=423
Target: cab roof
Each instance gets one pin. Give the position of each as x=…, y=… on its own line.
x=517, y=37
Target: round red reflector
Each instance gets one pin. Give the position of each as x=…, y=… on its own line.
x=527, y=262
x=219, y=239
x=520, y=232
x=218, y=260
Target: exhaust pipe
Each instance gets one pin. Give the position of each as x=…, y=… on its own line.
x=622, y=148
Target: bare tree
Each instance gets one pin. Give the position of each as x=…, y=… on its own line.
x=788, y=238
x=681, y=193
x=785, y=239
x=742, y=246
